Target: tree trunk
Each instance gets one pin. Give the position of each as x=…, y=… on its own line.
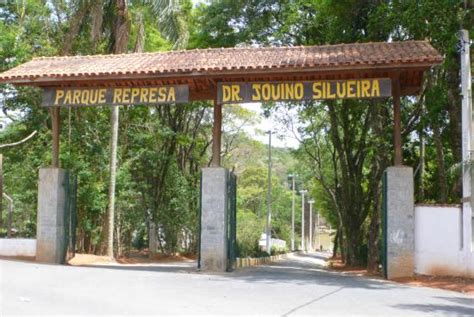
x=379, y=164
x=373, y=250
x=121, y=33
x=440, y=163
x=336, y=243
x=152, y=240
x=353, y=243
x=341, y=243
x=114, y=118
x=422, y=166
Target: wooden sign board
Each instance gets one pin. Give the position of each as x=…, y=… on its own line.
x=153, y=95
x=303, y=90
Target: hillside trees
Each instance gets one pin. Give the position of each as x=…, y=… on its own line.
x=175, y=155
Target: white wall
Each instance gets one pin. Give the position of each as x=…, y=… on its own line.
x=438, y=242
x=18, y=247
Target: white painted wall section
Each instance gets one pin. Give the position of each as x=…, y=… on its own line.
x=18, y=247
x=438, y=242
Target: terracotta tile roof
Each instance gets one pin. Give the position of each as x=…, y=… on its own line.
x=223, y=61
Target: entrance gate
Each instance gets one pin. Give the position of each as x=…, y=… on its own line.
x=70, y=217
x=232, y=221
x=234, y=75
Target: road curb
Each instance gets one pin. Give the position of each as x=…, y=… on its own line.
x=246, y=262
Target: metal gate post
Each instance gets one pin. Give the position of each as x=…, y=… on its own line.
x=232, y=221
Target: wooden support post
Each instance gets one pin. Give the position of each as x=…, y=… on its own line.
x=397, y=122
x=55, y=119
x=217, y=135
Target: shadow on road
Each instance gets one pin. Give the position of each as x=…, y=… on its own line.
x=172, y=267
x=448, y=310
x=461, y=307
x=302, y=269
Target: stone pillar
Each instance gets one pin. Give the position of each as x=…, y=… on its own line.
x=52, y=200
x=213, y=252
x=400, y=222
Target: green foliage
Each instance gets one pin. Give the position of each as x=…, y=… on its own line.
x=249, y=229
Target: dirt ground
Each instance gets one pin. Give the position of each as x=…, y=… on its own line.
x=132, y=257
x=452, y=283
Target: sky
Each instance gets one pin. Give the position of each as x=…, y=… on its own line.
x=283, y=136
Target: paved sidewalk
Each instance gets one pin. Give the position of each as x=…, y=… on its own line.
x=294, y=286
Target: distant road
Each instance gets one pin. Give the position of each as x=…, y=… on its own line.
x=297, y=286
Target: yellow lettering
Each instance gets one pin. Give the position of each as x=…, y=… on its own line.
x=350, y=92
x=68, y=98
x=144, y=95
x=76, y=98
x=125, y=95
x=276, y=93
x=85, y=97
x=93, y=96
x=341, y=89
x=236, y=93
x=266, y=92
x=329, y=95
x=375, y=88
x=135, y=93
x=102, y=96
x=117, y=95
x=299, y=91
x=226, y=93
x=161, y=94
x=152, y=97
x=290, y=92
x=317, y=93
x=59, y=95
x=256, y=88
x=171, y=94
x=365, y=88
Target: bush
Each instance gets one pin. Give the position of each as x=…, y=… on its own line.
x=277, y=250
x=249, y=228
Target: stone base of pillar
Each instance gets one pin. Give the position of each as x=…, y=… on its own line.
x=399, y=222
x=52, y=203
x=214, y=204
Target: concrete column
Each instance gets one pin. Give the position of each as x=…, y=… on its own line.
x=400, y=222
x=213, y=253
x=52, y=200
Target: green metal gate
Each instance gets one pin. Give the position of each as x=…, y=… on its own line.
x=70, y=217
x=231, y=221
x=384, y=224
x=199, y=224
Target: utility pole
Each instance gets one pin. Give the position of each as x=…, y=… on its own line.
x=293, y=178
x=302, y=192
x=467, y=138
x=311, y=202
x=269, y=196
x=319, y=234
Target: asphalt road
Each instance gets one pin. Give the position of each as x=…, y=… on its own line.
x=297, y=286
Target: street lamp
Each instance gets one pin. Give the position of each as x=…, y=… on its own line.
x=319, y=234
x=293, y=178
x=302, y=192
x=269, y=196
x=311, y=202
